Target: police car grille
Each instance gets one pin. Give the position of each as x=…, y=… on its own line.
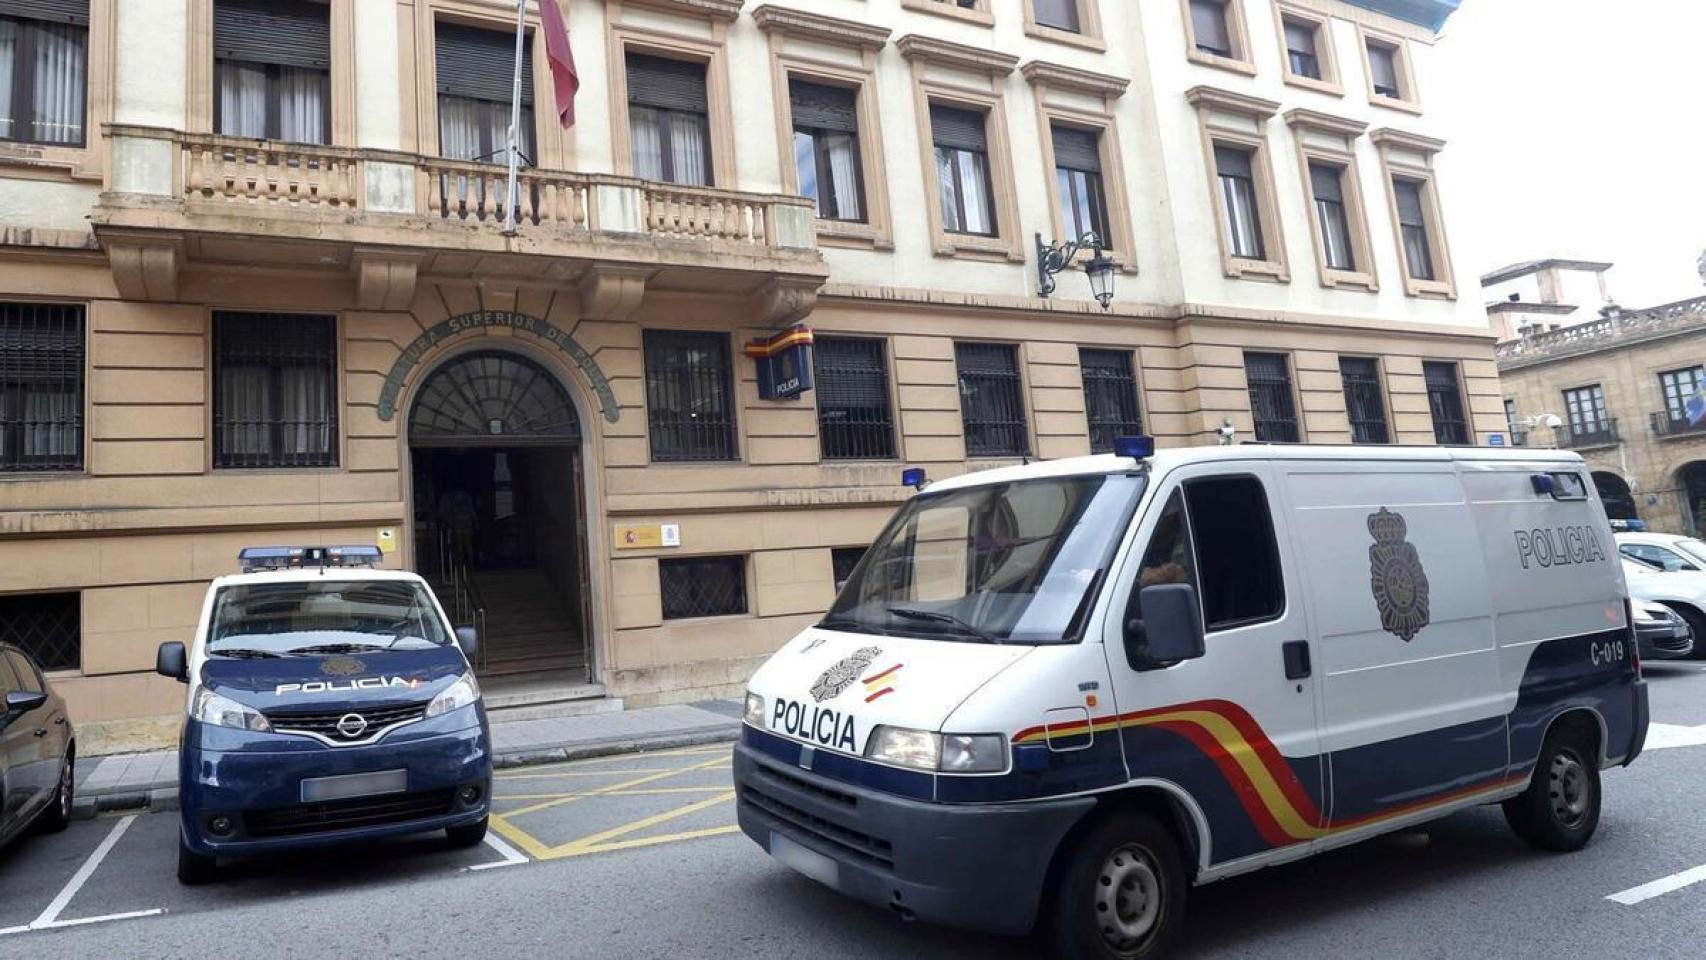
x=348, y=814
x=863, y=846
x=326, y=724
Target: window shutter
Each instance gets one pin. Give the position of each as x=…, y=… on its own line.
x=1327, y=182
x=53, y=11
x=290, y=33
x=1409, y=196
x=835, y=109
x=667, y=84
x=1299, y=37
x=1077, y=149
x=1208, y=22
x=1233, y=162
x=958, y=129
x=1060, y=14
x=1383, y=64
x=480, y=64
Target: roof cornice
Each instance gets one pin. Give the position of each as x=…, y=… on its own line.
x=1231, y=101
x=1403, y=140
x=1316, y=120
x=943, y=53
x=1041, y=73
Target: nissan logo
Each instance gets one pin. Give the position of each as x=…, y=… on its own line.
x=352, y=725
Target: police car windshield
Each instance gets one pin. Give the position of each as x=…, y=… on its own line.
x=323, y=616
x=1694, y=548
x=1004, y=563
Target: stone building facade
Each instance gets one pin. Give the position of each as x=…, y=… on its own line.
x=256, y=288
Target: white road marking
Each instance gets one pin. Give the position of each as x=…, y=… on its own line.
x=1663, y=736
x=1660, y=887
x=49, y=918
x=511, y=856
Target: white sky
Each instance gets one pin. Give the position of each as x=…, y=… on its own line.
x=1577, y=128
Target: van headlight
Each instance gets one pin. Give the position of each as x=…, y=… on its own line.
x=938, y=753
x=456, y=696
x=210, y=707
x=754, y=710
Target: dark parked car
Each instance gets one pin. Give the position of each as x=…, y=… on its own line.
x=37, y=750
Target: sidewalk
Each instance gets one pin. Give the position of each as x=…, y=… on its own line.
x=129, y=781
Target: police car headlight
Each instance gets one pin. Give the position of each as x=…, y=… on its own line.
x=969, y=753
x=754, y=710
x=210, y=707
x=456, y=696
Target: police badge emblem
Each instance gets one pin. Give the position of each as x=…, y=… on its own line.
x=342, y=666
x=1396, y=575
x=843, y=672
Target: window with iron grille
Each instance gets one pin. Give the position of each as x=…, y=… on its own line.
x=689, y=396
x=272, y=70
x=702, y=587
x=1679, y=387
x=1445, y=402
x=41, y=387
x=854, y=417
x=44, y=66
x=1271, y=401
x=992, y=404
x=1110, y=397
x=1363, y=400
x=275, y=395
x=842, y=560
x=47, y=626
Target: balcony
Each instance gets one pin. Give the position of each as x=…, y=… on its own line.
x=175, y=198
x=1589, y=436
x=1667, y=426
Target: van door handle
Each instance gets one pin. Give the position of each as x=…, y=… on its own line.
x=41, y=731
x=1296, y=654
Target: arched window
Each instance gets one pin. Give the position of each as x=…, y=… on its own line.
x=493, y=398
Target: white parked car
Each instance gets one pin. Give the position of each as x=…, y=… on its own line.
x=1668, y=550
x=1682, y=591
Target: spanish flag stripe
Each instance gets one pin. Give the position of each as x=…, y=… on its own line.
x=869, y=681
x=1260, y=815
x=1251, y=775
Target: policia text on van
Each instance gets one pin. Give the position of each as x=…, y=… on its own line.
x=1065, y=692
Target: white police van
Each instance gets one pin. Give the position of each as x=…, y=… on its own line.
x=1067, y=691
x=329, y=701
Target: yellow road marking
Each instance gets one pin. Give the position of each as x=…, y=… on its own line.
x=717, y=765
x=519, y=837
x=642, y=792
x=612, y=788
x=618, y=758
x=596, y=842
x=653, y=841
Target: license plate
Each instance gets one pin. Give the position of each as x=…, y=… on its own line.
x=355, y=785
x=809, y=862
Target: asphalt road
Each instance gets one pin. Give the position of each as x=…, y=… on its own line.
x=637, y=857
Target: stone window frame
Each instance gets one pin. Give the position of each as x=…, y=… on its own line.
x=1410, y=156
x=980, y=15
x=1325, y=138
x=210, y=389
x=954, y=62
x=1332, y=79
x=1409, y=99
x=785, y=25
x=1085, y=101
x=1239, y=120
x=1293, y=384
x=1089, y=37
x=44, y=161
x=1237, y=31
x=341, y=67
x=653, y=41
x=1383, y=375
x=86, y=451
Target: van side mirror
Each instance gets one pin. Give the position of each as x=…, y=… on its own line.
x=171, y=661
x=469, y=640
x=1171, y=629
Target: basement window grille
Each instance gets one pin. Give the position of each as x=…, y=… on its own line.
x=41, y=388
x=1363, y=400
x=275, y=400
x=1445, y=402
x=992, y=404
x=696, y=587
x=855, y=419
x=1271, y=402
x=1110, y=397
x=48, y=627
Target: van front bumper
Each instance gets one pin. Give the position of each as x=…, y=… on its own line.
x=977, y=866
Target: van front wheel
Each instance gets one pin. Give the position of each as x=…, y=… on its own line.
x=1560, y=809
x=1122, y=892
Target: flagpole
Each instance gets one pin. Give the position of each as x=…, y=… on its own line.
x=510, y=199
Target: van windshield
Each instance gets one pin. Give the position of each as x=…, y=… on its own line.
x=323, y=617
x=1003, y=563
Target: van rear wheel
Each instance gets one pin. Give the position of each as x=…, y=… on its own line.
x=1560, y=809
x=1122, y=892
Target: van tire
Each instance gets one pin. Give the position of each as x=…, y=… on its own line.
x=1560, y=809
x=1125, y=865
x=195, y=869
x=468, y=834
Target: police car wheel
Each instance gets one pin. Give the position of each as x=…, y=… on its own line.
x=1560, y=809
x=467, y=835
x=1697, y=626
x=1122, y=892
x=194, y=868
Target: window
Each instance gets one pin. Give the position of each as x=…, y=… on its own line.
x=48, y=627
x=826, y=149
x=1271, y=402
x=992, y=405
x=1519, y=437
x=1110, y=397
x=1413, y=226
x=272, y=70
x=855, y=420
x=44, y=64
x=1237, y=555
x=1240, y=210
x=842, y=561
x=1681, y=386
x=275, y=397
x=1363, y=400
x=41, y=387
x=961, y=139
x=1211, y=33
x=1170, y=558
x=1383, y=67
x=1078, y=177
x=689, y=396
x=1445, y=402
x=1585, y=408
x=669, y=120
x=1327, y=182
x=1658, y=556
x=1059, y=14
x=695, y=587
x=476, y=75
x=1303, y=56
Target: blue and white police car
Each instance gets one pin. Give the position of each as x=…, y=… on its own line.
x=328, y=701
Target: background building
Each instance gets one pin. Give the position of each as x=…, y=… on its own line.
x=255, y=288
x=1545, y=295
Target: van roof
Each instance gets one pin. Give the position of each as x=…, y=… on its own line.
x=1167, y=460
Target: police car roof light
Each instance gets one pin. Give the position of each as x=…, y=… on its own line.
x=914, y=477
x=1544, y=484
x=1136, y=448
x=256, y=559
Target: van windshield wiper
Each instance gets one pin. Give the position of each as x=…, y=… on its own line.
x=851, y=625
x=244, y=653
x=337, y=648
x=936, y=616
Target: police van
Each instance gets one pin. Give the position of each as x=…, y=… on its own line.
x=1063, y=693
x=328, y=701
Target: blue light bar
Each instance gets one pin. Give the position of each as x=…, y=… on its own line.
x=1136, y=448
x=914, y=477
x=1544, y=484
x=256, y=559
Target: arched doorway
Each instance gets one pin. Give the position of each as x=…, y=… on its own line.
x=1619, y=500
x=1691, y=487
x=499, y=504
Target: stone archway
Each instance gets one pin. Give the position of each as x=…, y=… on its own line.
x=1615, y=494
